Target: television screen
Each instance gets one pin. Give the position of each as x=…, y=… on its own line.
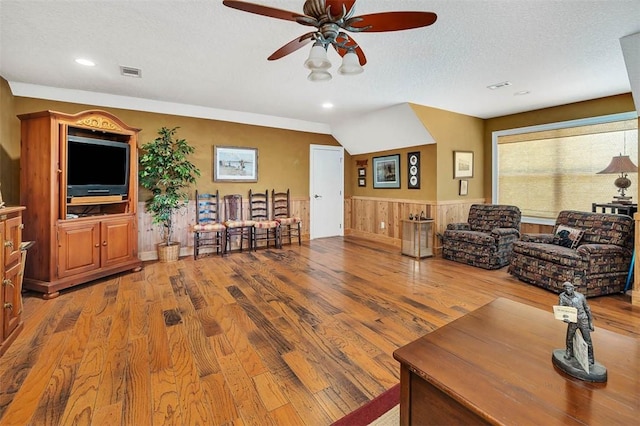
x=96, y=167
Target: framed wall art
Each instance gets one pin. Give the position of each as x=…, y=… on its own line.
x=386, y=171
x=235, y=164
x=362, y=182
x=464, y=187
x=413, y=169
x=362, y=172
x=462, y=164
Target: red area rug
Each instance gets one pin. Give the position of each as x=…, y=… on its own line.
x=373, y=409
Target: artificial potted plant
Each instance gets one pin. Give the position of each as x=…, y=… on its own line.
x=166, y=171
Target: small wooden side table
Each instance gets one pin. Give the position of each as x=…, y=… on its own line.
x=417, y=238
x=628, y=209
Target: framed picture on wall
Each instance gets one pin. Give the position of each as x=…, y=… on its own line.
x=464, y=187
x=362, y=182
x=386, y=171
x=462, y=164
x=235, y=164
x=362, y=172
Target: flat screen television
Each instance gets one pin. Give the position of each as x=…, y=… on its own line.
x=96, y=167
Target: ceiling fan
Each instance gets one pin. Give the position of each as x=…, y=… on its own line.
x=332, y=20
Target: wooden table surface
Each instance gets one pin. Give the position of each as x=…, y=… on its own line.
x=496, y=363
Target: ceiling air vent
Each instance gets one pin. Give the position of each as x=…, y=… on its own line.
x=131, y=72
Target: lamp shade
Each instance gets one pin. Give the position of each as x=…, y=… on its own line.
x=317, y=59
x=350, y=64
x=619, y=164
x=319, y=75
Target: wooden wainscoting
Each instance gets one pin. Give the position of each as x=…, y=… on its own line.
x=364, y=216
x=149, y=234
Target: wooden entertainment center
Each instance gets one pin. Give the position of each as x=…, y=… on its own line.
x=77, y=238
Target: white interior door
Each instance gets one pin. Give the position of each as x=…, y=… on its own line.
x=326, y=210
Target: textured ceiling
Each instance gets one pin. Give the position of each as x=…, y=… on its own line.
x=203, y=57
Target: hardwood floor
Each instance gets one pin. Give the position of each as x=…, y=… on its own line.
x=297, y=336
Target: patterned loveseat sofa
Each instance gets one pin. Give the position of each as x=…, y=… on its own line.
x=596, y=247
x=487, y=237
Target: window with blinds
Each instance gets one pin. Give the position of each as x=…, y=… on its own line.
x=546, y=169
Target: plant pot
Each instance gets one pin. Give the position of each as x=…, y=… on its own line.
x=168, y=253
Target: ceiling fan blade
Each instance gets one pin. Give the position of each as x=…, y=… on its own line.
x=336, y=5
x=292, y=46
x=350, y=43
x=392, y=21
x=262, y=10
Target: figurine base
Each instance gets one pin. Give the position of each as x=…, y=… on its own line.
x=571, y=366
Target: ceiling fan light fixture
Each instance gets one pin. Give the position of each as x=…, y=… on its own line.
x=350, y=64
x=318, y=58
x=319, y=75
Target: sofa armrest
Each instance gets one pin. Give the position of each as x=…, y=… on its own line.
x=537, y=238
x=590, y=250
x=502, y=232
x=458, y=227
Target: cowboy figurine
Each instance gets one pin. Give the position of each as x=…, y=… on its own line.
x=569, y=297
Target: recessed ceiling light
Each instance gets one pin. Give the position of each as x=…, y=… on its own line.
x=521, y=93
x=85, y=62
x=499, y=85
x=327, y=105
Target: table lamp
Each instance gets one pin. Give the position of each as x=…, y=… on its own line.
x=621, y=164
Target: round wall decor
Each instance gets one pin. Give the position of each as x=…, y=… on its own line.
x=414, y=170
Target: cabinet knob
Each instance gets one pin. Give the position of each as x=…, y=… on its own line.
x=8, y=305
x=97, y=245
x=7, y=282
x=104, y=243
x=8, y=244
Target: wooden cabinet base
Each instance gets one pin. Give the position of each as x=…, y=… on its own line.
x=4, y=345
x=51, y=289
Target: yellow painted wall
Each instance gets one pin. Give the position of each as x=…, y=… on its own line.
x=428, y=176
x=9, y=148
x=283, y=155
x=452, y=132
x=455, y=132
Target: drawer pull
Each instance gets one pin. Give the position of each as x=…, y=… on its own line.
x=8, y=305
x=7, y=282
x=8, y=244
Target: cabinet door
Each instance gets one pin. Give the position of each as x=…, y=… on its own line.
x=12, y=304
x=117, y=244
x=12, y=239
x=2, y=278
x=78, y=247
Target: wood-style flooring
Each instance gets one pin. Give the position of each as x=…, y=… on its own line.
x=295, y=336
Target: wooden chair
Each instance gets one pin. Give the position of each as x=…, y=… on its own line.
x=290, y=226
x=235, y=224
x=263, y=229
x=208, y=231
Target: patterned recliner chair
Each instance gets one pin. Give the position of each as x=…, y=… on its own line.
x=486, y=239
x=600, y=254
